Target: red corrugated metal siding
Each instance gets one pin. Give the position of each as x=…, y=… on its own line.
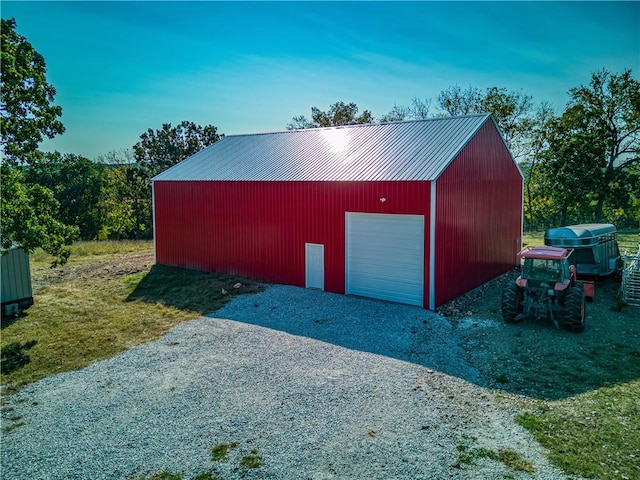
x=259, y=229
x=478, y=216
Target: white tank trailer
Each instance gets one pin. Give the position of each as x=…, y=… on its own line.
x=595, y=247
x=17, y=293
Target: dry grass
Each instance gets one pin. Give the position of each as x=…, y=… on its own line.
x=107, y=299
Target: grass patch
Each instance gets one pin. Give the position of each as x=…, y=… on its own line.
x=253, y=460
x=220, y=452
x=595, y=435
x=532, y=239
x=13, y=426
x=501, y=378
x=108, y=299
x=166, y=475
x=469, y=455
x=92, y=251
x=515, y=461
x=207, y=476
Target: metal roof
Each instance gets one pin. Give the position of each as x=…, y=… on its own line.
x=412, y=150
x=551, y=253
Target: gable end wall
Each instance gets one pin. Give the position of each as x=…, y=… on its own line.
x=478, y=225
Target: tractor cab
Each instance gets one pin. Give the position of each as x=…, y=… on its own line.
x=546, y=265
x=546, y=270
x=550, y=267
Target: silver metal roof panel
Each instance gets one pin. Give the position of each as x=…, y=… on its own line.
x=413, y=150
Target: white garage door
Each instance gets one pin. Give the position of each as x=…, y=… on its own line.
x=385, y=256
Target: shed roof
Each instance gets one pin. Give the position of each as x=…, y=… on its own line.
x=585, y=230
x=410, y=150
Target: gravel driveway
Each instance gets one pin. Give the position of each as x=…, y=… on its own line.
x=314, y=385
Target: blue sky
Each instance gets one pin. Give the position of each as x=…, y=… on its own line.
x=122, y=67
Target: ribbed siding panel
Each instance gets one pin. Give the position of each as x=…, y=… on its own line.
x=402, y=151
x=16, y=276
x=478, y=216
x=259, y=229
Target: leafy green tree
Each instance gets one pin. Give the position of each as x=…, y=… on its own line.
x=29, y=217
x=160, y=149
x=77, y=184
x=300, y=122
x=117, y=204
x=418, y=110
x=29, y=213
x=538, y=141
x=455, y=101
x=137, y=186
x=117, y=157
x=339, y=113
x=568, y=172
x=588, y=167
x=27, y=113
x=609, y=107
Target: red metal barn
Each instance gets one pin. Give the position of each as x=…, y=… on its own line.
x=415, y=212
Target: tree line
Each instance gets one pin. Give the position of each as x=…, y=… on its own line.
x=580, y=166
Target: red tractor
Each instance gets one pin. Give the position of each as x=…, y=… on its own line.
x=547, y=287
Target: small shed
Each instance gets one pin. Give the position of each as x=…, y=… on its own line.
x=16, y=290
x=416, y=212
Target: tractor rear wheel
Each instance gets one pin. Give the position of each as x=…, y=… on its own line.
x=573, y=314
x=512, y=303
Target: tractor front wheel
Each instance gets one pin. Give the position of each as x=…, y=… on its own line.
x=512, y=303
x=573, y=314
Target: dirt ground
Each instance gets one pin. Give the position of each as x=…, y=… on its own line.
x=107, y=269
x=536, y=359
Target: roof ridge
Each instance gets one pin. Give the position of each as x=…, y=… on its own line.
x=361, y=125
x=409, y=150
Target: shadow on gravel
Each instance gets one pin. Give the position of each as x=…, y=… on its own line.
x=398, y=331
x=532, y=358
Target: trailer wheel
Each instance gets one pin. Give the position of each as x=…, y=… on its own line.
x=512, y=303
x=573, y=314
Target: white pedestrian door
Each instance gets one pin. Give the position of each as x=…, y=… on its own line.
x=385, y=256
x=314, y=254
